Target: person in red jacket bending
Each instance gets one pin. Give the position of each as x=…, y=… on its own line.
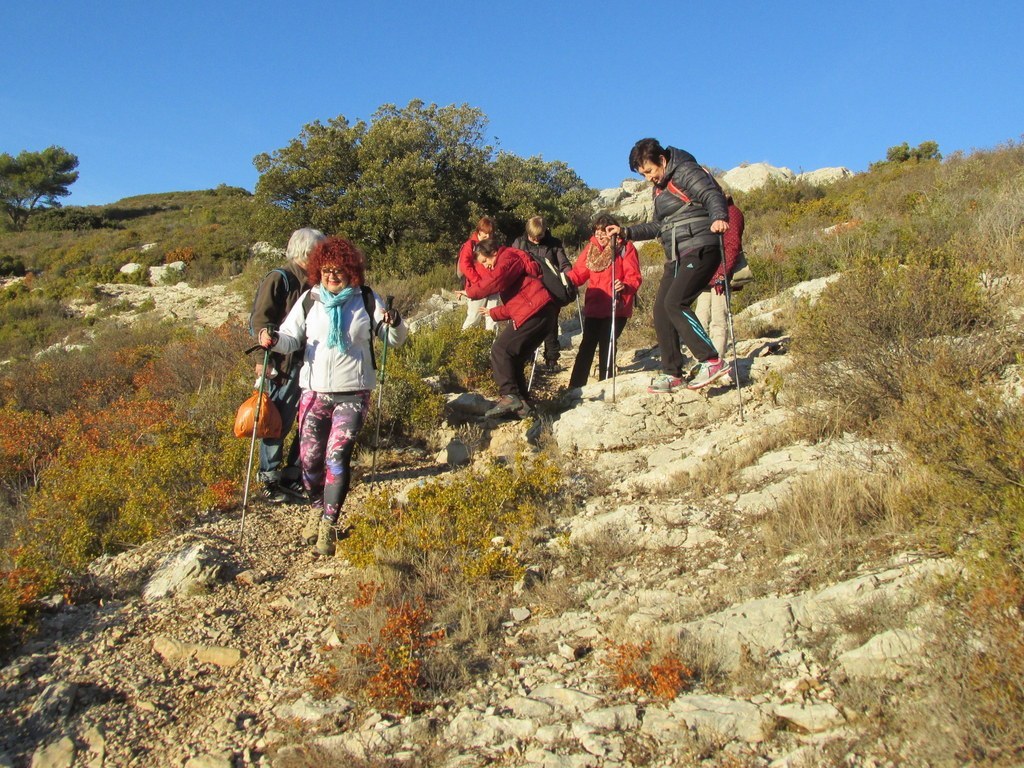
x=515, y=277
x=594, y=267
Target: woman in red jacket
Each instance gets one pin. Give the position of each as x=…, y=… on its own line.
x=484, y=229
x=515, y=277
x=594, y=264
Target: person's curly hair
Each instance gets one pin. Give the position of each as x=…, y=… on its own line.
x=336, y=252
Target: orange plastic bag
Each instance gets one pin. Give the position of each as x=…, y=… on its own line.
x=270, y=418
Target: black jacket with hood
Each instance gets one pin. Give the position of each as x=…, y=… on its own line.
x=275, y=297
x=686, y=201
x=549, y=248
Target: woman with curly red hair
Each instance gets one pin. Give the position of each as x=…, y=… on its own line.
x=337, y=376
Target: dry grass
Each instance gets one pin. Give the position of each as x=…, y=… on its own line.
x=838, y=519
x=721, y=475
x=593, y=557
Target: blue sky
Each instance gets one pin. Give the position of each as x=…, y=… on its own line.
x=160, y=97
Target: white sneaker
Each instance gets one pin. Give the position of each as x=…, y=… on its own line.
x=710, y=372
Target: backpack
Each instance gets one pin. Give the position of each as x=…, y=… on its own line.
x=561, y=288
x=368, y=305
x=741, y=273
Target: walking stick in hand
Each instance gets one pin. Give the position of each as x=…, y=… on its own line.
x=611, y=344
x=732, y=329
x=252, y=445
x=388, y=302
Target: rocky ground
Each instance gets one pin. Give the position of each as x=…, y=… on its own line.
x=198, y=651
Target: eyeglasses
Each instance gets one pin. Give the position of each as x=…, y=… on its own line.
x=333, y=271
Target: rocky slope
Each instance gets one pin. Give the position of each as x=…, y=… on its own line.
x=198, y=651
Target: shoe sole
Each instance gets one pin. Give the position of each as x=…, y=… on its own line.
x=711, y=380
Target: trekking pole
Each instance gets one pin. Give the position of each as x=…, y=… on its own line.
x=611, y=344
x=252, y=445
x=579, y=312
x=732, y=329
x=380, y=392
x=529, y=384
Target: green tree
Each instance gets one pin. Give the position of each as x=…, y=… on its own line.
x=35, y=180
x=902, y=153
x=409, y=186
x=311, y=181
x=423, y=167
x=527, y=187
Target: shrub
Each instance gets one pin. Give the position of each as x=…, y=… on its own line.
x=394, y=660
x=661, y=675
x=865, y=341
x=970, y=440
x=460, y=358
x=460, y=520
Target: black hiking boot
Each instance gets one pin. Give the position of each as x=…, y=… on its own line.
x=506, y=406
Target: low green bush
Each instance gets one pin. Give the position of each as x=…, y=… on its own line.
x=460, y=521
x=864, y=343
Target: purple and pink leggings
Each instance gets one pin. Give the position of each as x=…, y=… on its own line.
x=328, y=427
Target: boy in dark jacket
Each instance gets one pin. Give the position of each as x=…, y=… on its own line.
x=541, y=244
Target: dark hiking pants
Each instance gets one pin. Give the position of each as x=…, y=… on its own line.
x=597, y=332
x=674, y=318
x=514, y=348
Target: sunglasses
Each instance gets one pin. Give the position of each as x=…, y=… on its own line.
x=332, y=271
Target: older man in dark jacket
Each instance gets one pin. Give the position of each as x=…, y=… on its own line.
x=276, y=295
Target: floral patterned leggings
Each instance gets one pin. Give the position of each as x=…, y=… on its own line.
x=328, y=427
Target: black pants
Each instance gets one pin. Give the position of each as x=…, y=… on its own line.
x=674, y=318
x=513, y=349
x=597, y=332
x=551, y=346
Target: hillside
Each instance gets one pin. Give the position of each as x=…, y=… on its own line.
x=644, y=580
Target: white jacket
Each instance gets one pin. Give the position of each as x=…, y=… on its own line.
x=331, y=370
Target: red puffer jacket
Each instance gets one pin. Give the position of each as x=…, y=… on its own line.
x=515, y=278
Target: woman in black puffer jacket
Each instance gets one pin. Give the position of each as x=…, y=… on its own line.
x=690, y=213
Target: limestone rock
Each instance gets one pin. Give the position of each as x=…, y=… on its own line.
x=59, y=754
x=173, y=650
x=193, y=569
x=566, y=699
x=166, y=273
x=311, y=710
x=455, y=454
x=823, y=176
x=747, y=177
x=218, y=760
x=468, y=404
x=890, y=655
x=263, y=249
x=731, y=718
x=810, y=718
x=55, y=702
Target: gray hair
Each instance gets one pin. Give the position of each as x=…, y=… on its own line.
x=302, y=242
